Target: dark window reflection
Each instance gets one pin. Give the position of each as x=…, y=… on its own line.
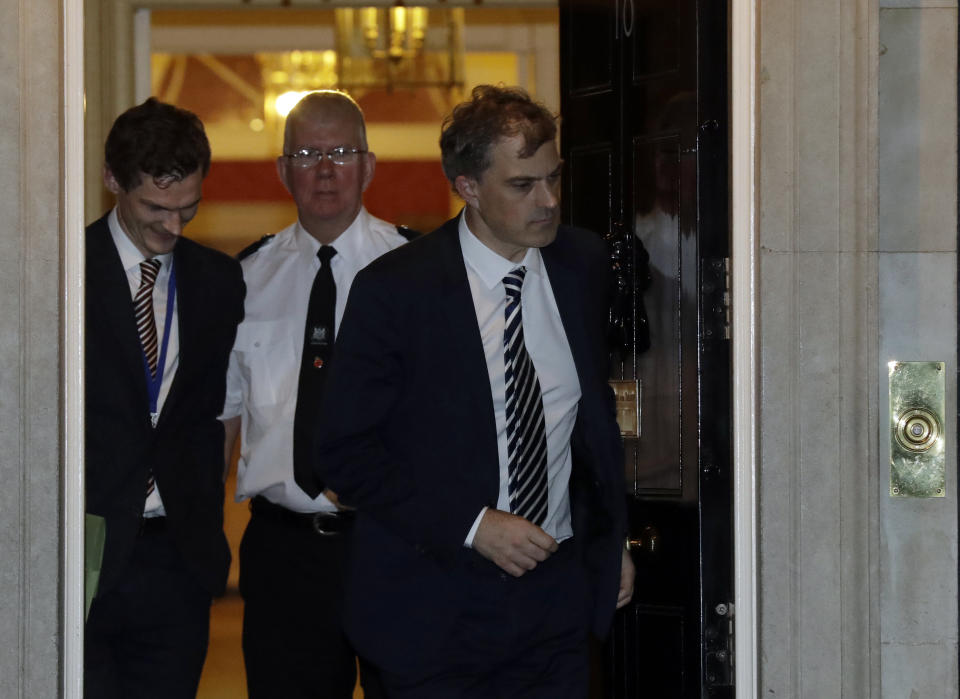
x=658, y=228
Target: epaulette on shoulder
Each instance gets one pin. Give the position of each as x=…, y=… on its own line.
x=408, y=233
x=253, y=247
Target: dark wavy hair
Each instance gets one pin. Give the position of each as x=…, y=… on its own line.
x=159, y=139
x=492, y=113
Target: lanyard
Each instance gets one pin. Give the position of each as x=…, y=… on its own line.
x=154, y=382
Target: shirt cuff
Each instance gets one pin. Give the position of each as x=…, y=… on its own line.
x=229, y=412
x=468, y=542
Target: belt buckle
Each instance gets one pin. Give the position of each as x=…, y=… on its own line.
x=318, y=518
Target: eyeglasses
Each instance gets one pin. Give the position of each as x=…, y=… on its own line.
x=310, y=157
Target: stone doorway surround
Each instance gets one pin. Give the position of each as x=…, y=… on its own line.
x=121, y=12
x=833, y=101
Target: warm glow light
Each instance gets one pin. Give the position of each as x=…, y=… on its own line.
x=329, y=58
x=418, y=21
x=399, y=19
x=370, y=24
x=288, y=101
x=392, y=47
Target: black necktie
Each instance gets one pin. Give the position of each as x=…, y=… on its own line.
x=318, y=338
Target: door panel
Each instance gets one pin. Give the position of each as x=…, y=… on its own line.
x=644, y=139
x=589, y=172
x=593, y=42
x=657, y=635
x=659, y=457
x=657, y=42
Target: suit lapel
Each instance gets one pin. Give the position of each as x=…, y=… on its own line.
x=569, y=296
x=189, y=296
x=461, y=315
x=108, y=299
x=468, y=360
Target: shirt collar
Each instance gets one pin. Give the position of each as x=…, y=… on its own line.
x=348, y=244
x=490, y=266
x=130, y=257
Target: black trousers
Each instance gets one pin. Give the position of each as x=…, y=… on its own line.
x=291, y=580
x=147, y=636
x=515, y=638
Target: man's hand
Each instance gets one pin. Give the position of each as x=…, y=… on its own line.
x=332, y=497
x=513, y=543
x=627, y=575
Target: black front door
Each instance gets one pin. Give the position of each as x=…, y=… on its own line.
x=644, y=139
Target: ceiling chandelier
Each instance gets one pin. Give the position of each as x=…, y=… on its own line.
x=399, y=47
x=374, y=48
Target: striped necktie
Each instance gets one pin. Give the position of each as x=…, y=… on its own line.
x=143, y=312
x=526, y=432
x=147, y=326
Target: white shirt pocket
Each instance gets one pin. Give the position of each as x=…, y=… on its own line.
x=268, y=354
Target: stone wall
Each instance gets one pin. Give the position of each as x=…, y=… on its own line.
x=857, y=254
x=818, y=398
x=30, y=351
x=917, y=273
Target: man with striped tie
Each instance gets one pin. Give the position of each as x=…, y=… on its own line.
x=161, y=316
x=468, y=418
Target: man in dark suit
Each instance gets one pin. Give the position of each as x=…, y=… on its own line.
x=161, y=315
x=468, y=418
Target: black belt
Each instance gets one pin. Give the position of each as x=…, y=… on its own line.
x=323, y=523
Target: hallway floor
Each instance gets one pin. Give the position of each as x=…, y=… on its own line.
x=223, y=675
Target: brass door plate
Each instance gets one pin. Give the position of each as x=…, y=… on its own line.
x=917, y=408
x=628, y=406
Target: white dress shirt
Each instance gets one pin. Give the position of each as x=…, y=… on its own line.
x=131, y=258
x=547, y=345
x=265, y=361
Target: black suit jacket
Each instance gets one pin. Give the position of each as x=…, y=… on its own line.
x=185, y=450
x=407, y=434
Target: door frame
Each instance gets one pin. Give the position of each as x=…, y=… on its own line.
x=72, y=315
x=745, y=337
x=744, y=301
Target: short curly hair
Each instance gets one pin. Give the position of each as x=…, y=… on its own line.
x=492, y=113
x=158, y=139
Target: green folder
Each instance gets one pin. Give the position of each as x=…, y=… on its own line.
x=94, y=534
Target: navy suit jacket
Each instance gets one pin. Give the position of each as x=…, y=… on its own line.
x=407, y=435
x=185, y=450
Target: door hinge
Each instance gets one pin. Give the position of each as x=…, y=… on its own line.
x=718, y=646
x=716, y=298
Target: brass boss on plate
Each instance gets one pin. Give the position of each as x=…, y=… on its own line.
x=917, y=430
